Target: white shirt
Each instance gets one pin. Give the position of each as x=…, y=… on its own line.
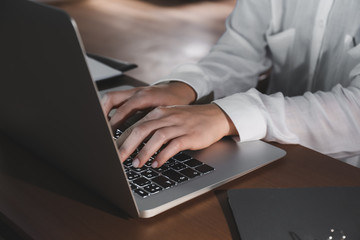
x=314, y=92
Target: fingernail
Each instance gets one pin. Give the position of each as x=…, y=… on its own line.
x=154, y=164
x=136, y=163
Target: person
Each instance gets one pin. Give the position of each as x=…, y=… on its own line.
x=311, y=49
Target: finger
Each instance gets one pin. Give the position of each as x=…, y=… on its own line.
x=124, y=136
x=137, y=102
x=157, y=140
x=114, y=99
x=175, y=146
x=127, y=143
x=128, y=109
x=135, y=135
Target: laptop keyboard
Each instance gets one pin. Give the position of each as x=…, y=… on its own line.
x=146, y=181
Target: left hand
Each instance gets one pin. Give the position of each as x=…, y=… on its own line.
x=182, y=127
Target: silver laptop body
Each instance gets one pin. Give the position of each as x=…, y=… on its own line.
x=50, y=105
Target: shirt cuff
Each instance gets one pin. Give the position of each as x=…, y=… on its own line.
x=191, y=75
x=246, y=115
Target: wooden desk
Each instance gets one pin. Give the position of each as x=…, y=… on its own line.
x=39, y=202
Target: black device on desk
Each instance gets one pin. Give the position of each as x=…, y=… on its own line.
x=114, y=63
x=319, y=213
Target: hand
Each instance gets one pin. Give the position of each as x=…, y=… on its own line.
x=130, y=101
x=179, y=127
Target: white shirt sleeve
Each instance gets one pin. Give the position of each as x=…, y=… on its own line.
x=328, y=122
x=236, y=61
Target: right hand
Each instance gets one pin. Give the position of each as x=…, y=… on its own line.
x=173, y=129
x=128, y=102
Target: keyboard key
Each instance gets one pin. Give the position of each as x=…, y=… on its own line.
x=190, y=173
x=170, y=161
x=117, y=133
x=149, y=162
x=128, y=162
x=178, y=166
x=133, y=186
x=141, y=181
x=163, y=181
x=141, y=193
x=161, y=169
x=152, y=188
x=143, y=168
x=173, y=175
x=193, y=163
x=182, y=157
x=132, y=175
x=204, y=168
x=149, y=173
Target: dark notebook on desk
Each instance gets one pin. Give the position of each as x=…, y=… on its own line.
x=297, y=213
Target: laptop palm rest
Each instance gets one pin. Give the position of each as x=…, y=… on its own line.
x=230, y=160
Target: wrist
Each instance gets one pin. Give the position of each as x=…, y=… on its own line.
x=183, y=91
x=229, y=126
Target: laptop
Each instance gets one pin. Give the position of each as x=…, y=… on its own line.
x=50, y=105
